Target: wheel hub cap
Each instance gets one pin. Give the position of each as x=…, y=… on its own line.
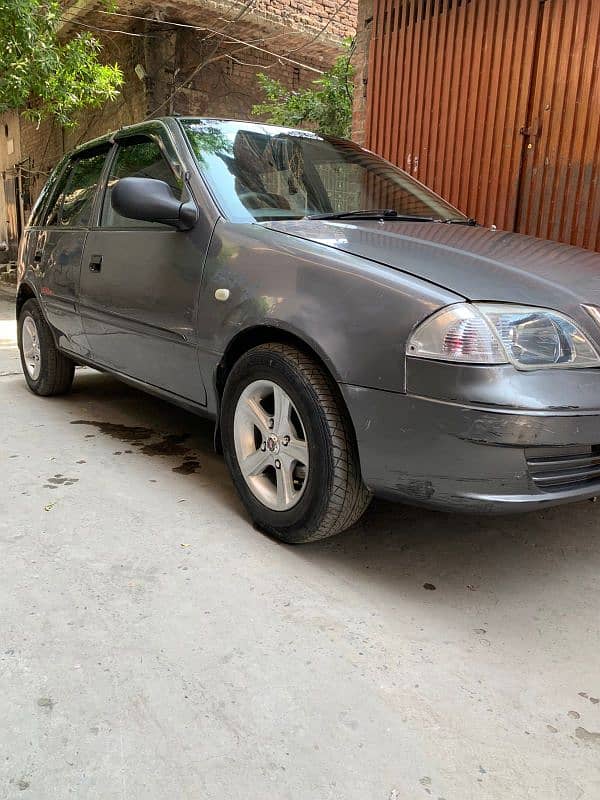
x=271, y=445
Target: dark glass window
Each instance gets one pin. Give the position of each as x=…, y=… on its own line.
x=56, y=197
x=74, y=196
x=137, y=158
x=48, y=192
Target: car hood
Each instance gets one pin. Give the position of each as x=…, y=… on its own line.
x=475, y=262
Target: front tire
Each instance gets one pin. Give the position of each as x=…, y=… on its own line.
x=47, y=371
x=289, y=446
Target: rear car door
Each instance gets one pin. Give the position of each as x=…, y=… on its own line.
x=140, y=280
x=54, y=250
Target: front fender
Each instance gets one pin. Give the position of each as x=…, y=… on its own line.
x=354, y=313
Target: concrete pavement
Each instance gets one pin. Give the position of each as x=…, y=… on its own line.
x=153, y=645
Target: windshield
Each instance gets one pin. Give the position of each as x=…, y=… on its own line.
x=262, y=172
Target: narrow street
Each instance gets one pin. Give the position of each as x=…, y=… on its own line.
x=154, y=645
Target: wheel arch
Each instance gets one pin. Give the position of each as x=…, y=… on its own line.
x=24, y=293
x=262, y=334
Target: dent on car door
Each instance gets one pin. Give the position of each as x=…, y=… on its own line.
x=58, y=247
x=140, y=282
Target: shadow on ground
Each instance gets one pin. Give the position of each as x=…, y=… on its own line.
x=399, y=547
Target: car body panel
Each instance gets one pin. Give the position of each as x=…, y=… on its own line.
x=464, y=457
x=355, y=314
x=51, y=261
x=139, y=310
x=504, y=386
x=475, y=262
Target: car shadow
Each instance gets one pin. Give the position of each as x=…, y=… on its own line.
x=398, y=547
x=463, y=559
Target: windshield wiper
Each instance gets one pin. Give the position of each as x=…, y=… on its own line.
x=379, y=213
x=470, y=221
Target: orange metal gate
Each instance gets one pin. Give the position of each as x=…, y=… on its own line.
x=496, y=105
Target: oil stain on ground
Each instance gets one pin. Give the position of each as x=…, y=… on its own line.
x=189, y=466
x=149, y=442
x=593, y=737
x=59, y=480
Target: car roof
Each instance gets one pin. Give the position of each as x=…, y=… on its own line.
x=166, y=121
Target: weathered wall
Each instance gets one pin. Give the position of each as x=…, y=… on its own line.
x=10, y=154
x=364, y=23
x=187, y=71
x=228, y=86
x=331, y=19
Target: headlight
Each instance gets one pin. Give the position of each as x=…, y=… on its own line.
x=494, y=333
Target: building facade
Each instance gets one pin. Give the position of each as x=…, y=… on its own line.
x=197, y=57
x=493, y=103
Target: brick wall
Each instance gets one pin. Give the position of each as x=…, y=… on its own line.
x=228, y=87
x=298, y=15
x=364, y=25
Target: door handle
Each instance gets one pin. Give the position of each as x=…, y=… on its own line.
x=95, y=263
x=37, y=256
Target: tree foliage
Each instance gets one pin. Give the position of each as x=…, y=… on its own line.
x=44, y=76
x=205, y=138
x=326, y=105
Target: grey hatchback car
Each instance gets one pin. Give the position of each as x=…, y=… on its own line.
x=349, y=332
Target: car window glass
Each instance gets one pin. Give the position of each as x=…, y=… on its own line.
x=81, y=189
x=74, y=197
x=266, y=172
x=47, y=193
x=139, y=158
x=56, y=200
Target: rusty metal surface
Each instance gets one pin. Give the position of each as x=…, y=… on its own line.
x=495, y=105
x=560, y=197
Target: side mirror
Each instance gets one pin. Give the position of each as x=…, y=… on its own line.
x=152, y=200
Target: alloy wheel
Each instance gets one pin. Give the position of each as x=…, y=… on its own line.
x=271, y=445
x=32, y=354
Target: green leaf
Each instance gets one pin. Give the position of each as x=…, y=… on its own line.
x=45, y=76
x=325, y=106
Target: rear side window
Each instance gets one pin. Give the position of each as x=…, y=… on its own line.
x=49, y=190
x=74, y=197
x=139, y=157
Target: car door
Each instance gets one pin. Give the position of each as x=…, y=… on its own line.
x=140, y=281
x=54, y=249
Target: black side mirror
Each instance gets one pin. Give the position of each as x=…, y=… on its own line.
x=152, y=200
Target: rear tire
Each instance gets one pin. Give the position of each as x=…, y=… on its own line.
x=327, y=494
x=47, y=371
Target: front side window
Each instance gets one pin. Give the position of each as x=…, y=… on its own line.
x=74, y=198
x=261, y=172
x=139, y=157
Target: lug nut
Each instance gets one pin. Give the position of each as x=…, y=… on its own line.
x=263, y=446
x=278, y=463
x=285, y=440
x=271, y=424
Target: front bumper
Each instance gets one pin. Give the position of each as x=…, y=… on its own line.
x=453, y=456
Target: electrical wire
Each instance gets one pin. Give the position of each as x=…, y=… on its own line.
x=73, y=21
x=228, y=37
